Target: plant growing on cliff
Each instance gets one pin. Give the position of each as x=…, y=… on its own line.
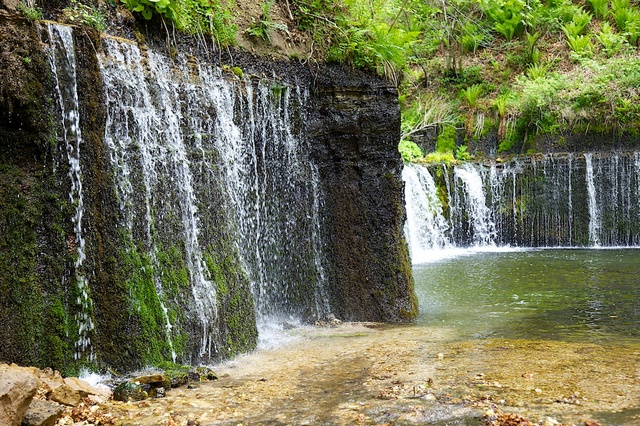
x=409, y=151
x=191, y=16
x=82, y=14
x=264, y=26
x=427, y=111
x=32, y=13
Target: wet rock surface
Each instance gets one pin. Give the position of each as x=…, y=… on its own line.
x=352, y=121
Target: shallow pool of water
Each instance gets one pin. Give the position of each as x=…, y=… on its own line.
x=541, y=334
x=572, y=295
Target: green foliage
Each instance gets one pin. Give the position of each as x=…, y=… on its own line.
x=462, y=153
x=447, y=138
x=263, y=27
x=373, y=46
x=510, y=17
x=472, y=37
x=628, y=22
x=580, y=46
x=535, y=71
x=409, y=151
x=600, y=8
x=471, y=94
x=611, y=42
x=31, y=13
x=427, y=111
x=191, y=16
x=87, y=15
x=147, y=8
x=534, y=53
x=501, y=103
x=578, y=24
x=440, y=158
x=237, y=71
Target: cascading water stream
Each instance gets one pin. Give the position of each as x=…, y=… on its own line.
x=274, y=191
x=135, y=149
x=481, y=223
x=530, y=203
x=594, y=210
x=63, y=67
x=180, y=132
x=426, y=225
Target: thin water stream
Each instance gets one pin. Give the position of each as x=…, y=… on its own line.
x=540, y=333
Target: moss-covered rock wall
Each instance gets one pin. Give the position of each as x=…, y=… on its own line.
x=136, y=291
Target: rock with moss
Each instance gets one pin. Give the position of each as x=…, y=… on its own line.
x=130, y=391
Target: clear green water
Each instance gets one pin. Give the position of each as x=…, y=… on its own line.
x=574, y=295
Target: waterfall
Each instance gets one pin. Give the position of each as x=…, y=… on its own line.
x=197, y=153
x=594, y=209
x=274, y=194
x=63, y=67
x=530, y=202
x=426, y=226
x=481, y=226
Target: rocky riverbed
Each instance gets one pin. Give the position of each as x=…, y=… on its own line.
x=377, y=374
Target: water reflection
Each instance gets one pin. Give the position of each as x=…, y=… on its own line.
x=574, y=295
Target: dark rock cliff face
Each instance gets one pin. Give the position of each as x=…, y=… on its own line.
x=354, y=131
x=352, y=127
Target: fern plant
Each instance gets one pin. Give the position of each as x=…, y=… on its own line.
x=263, y=27
x=578, y=24
x=471, y=95
x=632, y=26
x=611, y=42
x=536, y=71
x=580, y=46
x=600, y=8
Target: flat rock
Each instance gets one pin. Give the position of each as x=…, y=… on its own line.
x=151, y=379
x=18, y=385
x=71, y=391
x=42, y=413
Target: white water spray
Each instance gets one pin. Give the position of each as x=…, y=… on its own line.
x=592, y=201
x=63, y=68
x=482, y=225
x=426, y=225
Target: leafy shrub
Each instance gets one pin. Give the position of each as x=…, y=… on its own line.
x=462, y=153
x=147, y=8
x=447, y=140
x=375, y=47
x=87, y=15
x=191, y=16
x=580, y=46
x=578, y=24
x=509, y=16
x=630, y=21
x=409, y=151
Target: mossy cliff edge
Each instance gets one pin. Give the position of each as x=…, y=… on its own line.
x=353, y=127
